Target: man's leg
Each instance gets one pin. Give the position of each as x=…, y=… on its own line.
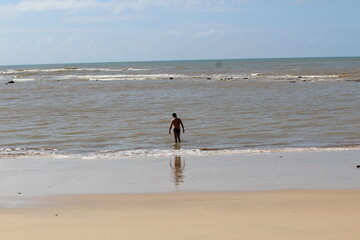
x=175, y=136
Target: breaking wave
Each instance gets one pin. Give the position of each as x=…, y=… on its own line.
x=141, y=153
x=102, y=73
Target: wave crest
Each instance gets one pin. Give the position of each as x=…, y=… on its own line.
x=138, y=153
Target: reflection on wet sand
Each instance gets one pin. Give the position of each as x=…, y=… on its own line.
x=178, y=170
x=177, y=146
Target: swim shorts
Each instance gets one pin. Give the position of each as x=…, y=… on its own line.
x=176, y=130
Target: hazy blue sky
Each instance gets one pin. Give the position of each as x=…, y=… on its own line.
x=61, y=31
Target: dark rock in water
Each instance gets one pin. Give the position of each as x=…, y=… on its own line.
x=358, y=166
x=9, y=82
x=171, y=78
x=299, y=76
x=245, y=78
x=226, y=79
x=210, y=149
x=208, y=78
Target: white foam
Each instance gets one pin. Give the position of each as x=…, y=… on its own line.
x=137, y=69
x=20, y=79
x=140, y=153
x=107, y=77
x=26, y=152
x=321, y=76
x=112, y=69
x=70, y=69
x=133, y=73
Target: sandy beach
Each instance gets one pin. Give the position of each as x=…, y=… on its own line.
x=268, y=97
x=285, y=195
x=330, y=214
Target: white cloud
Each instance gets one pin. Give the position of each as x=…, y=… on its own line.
x=116, y=6
x=49, y=5
x=60, y=5
x=76, y=5
x=210, y=33
x=173, y=33
x=177, y=34
x=213, y=5
x=102, y=18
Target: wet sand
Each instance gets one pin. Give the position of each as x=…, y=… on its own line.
x=32, y=177
x=288, y=214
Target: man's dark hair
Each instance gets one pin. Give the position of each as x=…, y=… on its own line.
x=174, y=115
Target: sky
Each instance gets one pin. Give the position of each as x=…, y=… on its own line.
x=72, y=31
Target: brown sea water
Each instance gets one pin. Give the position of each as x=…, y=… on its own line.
x=124, y=109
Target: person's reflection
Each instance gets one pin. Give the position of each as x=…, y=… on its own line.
x=178, y=170
x=177, y=146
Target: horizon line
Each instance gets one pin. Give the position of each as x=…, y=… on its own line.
x=174, y=60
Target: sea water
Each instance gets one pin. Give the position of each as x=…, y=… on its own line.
x=114, y=110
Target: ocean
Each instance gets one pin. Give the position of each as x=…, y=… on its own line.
x=116, y=110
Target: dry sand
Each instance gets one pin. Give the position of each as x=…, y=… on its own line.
x=287, y=214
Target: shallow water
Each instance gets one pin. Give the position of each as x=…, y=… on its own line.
x=124, y=109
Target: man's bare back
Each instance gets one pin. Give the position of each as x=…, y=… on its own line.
x=176, y=122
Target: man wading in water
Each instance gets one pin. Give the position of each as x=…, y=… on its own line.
x=176, y=122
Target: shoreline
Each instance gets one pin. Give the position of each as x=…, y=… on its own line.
x=24, y=178
x=279, y=214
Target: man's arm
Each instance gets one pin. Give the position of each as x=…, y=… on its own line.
x=171, y=123
x=182, y=125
